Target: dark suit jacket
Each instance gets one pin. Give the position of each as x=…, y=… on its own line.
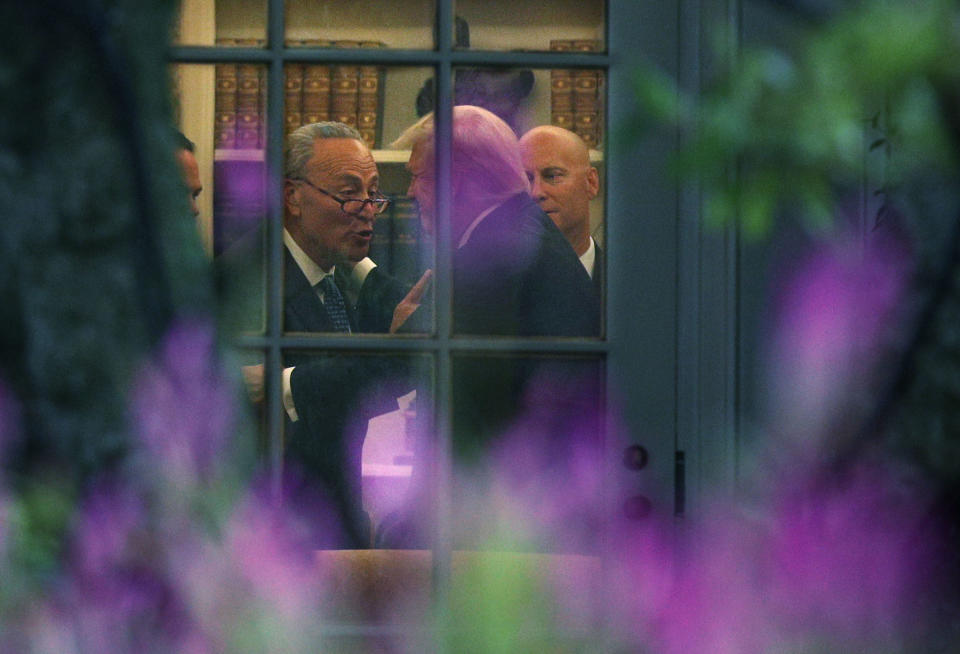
x=516, y=276
x=336, y=394
x=373, y=312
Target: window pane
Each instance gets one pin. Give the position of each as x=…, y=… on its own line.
x=527, y=455
x=361, y=23
x=527, y=500
x=527, y=446
x=328, y=224
x=221, y=110
x=353, y=432
x=521, y=269
x=529, y=25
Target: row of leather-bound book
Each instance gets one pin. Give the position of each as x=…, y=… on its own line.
x=347, y=93
x=575, y=95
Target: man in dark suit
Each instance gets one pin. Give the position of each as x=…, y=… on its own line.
x=563, y=183
x=514, y=274
x=331, y=199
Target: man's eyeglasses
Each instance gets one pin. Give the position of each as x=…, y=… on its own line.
x=350, y=205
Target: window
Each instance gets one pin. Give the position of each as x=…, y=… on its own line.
x=417, y=54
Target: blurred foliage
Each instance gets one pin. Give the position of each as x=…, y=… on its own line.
x=98, y=252
x=865, y=101
x=794, y=123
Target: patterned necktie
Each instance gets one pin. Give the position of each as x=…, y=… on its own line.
x=333, y=303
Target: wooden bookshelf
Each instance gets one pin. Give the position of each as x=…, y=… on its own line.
x=406, y=24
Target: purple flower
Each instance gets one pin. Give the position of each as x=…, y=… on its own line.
x=819, y=566
x=832, y=314
x=853, y=558
x=182, y=405
x=271, y=548
x=117, y=595
x=542, y=481
x=105, y=529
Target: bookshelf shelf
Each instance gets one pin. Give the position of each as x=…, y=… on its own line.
x=391, y=156
x=225, y=154
x=380, y=156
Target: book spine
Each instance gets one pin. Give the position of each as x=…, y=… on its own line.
x=586, y=98
x=368, y=98
x=407, y=260
x=561, y=89
x=343, y=96
x=292, y=96
x=381, y=244
x=248, y=101
x=225, y=102
x=316, y=87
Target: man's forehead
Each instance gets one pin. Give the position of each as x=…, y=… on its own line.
x=342, y=157
x=549, y=148
x=346, y=175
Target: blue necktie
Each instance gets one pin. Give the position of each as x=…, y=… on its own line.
x=333, y=303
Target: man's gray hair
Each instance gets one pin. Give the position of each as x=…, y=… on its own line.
x=300, y=144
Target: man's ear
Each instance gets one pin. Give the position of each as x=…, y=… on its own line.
x=291, y=198
x=593, y=182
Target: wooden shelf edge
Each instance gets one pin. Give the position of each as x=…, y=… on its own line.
x=380, y=156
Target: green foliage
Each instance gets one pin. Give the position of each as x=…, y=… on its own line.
x=501, y=605
x=794, y=122
x=37, y=521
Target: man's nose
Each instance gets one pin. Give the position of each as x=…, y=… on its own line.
x=536, y=190
x=367, y=214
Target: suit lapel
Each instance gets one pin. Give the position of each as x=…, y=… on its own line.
x=302, y=309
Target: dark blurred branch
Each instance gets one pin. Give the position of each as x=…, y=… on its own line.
x=151, y=276
x=90, y=20
x=922, y=332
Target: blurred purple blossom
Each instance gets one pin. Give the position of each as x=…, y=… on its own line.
x=854, y=557
x=271, y=544
x=834, y=311
x=258, y=577
x=819, y=567
x=182, y=405
x=117, y=596
x=105, y=529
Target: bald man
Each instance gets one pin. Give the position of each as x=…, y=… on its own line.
x=563, y=182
